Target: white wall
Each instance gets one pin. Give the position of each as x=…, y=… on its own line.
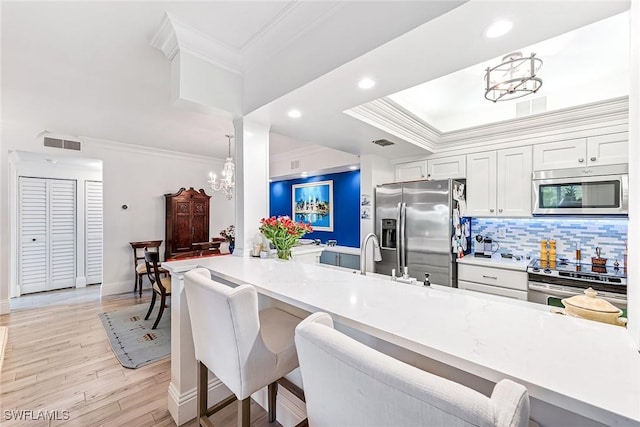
x=41, y=169
x=374, y=170
x=133, y=175
x=634, y=174
x=311, y=160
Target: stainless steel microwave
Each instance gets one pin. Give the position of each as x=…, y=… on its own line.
x=595, y=190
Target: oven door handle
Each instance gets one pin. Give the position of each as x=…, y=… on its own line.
x=552, y=290
x=561, y=291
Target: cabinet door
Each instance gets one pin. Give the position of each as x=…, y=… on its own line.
x=448, y=167
x=411, y=171
x=182, y=225
x=514, y=182
x=608, y=149
x=481, y=184
x=349, y=261
x=200, y=221
x=560, y=155
x=329, y=258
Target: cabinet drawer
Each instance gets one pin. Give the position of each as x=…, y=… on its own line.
x=493, y=290
x=493, y=276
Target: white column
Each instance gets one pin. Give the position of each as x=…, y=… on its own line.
x=252, y=180
x=634, y=173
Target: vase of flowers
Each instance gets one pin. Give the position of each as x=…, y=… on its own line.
x=229, y=234
x=283, y=233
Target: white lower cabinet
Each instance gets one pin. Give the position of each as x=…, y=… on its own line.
x=499, y=183
x=494, y=281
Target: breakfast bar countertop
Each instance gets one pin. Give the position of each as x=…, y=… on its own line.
x=585, y=367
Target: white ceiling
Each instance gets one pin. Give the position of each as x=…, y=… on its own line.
x=585, y=65
x=87, y=68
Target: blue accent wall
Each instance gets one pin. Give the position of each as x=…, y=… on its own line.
x=346, y=206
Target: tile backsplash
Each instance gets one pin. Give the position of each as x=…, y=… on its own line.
x=522, y=236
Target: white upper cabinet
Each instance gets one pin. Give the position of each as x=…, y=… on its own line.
x=609, y=149
x=560, y=155
x=481, y=184
x=514, y=182
x=411, y=171
x=499, y=183
x=447, y=167
x=603, y=150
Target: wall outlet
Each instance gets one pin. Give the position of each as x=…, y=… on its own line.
x=501, y=233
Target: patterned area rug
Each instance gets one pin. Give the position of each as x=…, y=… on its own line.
x=133, y=341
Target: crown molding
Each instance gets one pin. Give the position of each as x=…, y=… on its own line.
x=174, y=36
x=388, y=116
x=281, y=16
x=146, y=150
x=593, y=114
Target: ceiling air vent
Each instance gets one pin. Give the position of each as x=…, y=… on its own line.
x=295, y=164
x=383, y=142
x=62, y=143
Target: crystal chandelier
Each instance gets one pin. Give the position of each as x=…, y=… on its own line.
x=226, y=183
x=514, y=78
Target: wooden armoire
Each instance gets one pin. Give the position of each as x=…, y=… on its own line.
x=187, y=220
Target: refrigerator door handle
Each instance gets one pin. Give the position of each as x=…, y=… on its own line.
x=403, y=236
x=399, y=239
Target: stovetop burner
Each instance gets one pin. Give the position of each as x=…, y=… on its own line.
x=573, y=273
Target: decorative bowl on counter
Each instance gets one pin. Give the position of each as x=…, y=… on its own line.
x=588, y=306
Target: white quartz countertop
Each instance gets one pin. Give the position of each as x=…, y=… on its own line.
x=496, y=261
x=586, y=367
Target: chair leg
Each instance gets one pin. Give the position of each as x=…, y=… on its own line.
x=135, y=283
x=162, y=303
x=244, y=412
x=153, y=301
x=272, y=391
x=201, y=390
x=140, y=285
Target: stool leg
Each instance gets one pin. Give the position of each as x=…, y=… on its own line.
x=201, y=390
x=272, y=391
x=244, y=412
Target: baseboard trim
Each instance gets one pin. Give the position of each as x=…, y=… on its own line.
x=290, y=411
x=5, y=306
x=115, y=288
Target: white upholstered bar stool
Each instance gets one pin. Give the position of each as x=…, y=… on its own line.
x=349, y=384
x=245, y=348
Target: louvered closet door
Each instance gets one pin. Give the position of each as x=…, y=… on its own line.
x=62, y=202
x=32, y=236
x=47, y=236
x=93, y=198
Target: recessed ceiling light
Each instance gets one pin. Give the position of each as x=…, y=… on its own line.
x=498, y=29
x=353, y=167
x=294, y=114
x=304, y=175
x=51, y=161
x=366, y=83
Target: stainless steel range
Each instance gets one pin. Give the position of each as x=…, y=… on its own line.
x=549, y=286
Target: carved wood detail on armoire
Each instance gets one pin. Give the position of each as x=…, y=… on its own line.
x=187, y=220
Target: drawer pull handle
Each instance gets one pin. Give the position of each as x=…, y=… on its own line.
x=489, y=277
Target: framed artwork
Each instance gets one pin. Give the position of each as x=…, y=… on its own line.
x=312, y=202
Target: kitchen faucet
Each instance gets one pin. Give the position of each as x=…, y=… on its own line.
x=377, y=256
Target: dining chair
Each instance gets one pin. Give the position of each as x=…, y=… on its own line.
x=349, y=384
x=159, y=285
x=245, y=348
x=139, y=264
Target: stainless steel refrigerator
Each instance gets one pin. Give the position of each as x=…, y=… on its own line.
x=414, y=223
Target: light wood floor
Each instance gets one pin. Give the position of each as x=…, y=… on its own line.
x=58, y=357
